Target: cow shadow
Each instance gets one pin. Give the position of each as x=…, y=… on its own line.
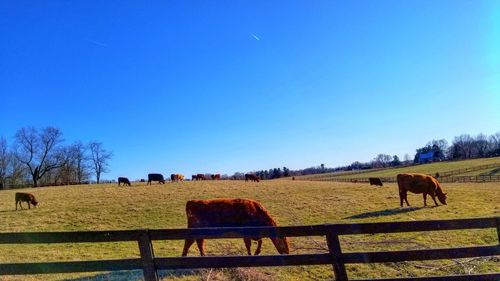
x=386, y=212
x=133, y=275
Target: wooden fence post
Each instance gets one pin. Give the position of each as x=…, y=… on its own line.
x=332, y=239
x=498, y=229
x=147, y=256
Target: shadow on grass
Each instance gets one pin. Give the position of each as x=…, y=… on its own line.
x=133, y=275
x=493, y=172
x=386, y=212
x=14, y=210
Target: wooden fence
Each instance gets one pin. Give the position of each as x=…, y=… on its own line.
x=335, y=257
x=444, y=179
x=447, y=176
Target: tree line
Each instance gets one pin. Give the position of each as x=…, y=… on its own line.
x=462, y=147
x=40, y=156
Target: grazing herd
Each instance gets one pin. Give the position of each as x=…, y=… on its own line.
x=237, y=212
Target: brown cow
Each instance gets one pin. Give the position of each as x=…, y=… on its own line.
x=252, y=177
x=200, y=177
x=230, y=213
x=420, y=183
x=375, y=181
x=123, y=180
x=25, y=197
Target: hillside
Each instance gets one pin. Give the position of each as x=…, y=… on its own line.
x=431, y=169
x=106, y=207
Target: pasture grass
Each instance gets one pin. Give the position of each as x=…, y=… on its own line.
x=109, y=207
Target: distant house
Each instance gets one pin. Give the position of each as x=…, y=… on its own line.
x=426, y=157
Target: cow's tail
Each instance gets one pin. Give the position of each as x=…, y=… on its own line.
x=189, y=213
x=399, y=179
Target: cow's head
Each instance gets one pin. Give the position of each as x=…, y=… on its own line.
x=442, y=198
x=34, y=202
x=281, y=245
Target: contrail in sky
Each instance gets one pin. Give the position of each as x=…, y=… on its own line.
x=255, y=36
x=96, y=42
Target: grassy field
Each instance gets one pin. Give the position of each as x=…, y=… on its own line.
x=430, y=169
x=108, y=207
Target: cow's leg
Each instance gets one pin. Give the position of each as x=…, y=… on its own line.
x=402, y=196
x=406, y=199
x=200, y=244
x=434, y=198
x=425, y=198
x=187, y=244
x=248, y=245
x=29, y=205
x=259, y=247
x=21, y=205
x=16, y=204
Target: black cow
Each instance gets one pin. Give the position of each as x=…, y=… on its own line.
x=375, y=181
x=252, y=177
x=156, y=177
x=123, y=180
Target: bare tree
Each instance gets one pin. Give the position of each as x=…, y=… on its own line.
x=480, y=145
x=99, y=157
x=4, y=161
x=494, y=144
x=382, y=160
x=81, y=161
x=39, y=151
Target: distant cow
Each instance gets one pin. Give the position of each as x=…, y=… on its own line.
x=176, y=177
x=194, y=177
x=123, y=180
x=155, y=177
x=215, y=176
x=375, y=181
x=252, y=177
x=230, y=213
x=420, y=183
x=25, y=197
x=200, y=177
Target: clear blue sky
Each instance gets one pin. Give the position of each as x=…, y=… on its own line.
x=225, y=86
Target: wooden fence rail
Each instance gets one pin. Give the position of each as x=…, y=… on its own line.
x=441, y=179
x=445, y=176
x=335, y=257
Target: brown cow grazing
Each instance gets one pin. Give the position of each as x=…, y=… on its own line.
x=217, y=177
x=375, y=181
x=123, y=180
x=200, y=177
x=252, y=177
x=25, y=197
x=420, y=183
x=176, y=177
x=230, y=213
